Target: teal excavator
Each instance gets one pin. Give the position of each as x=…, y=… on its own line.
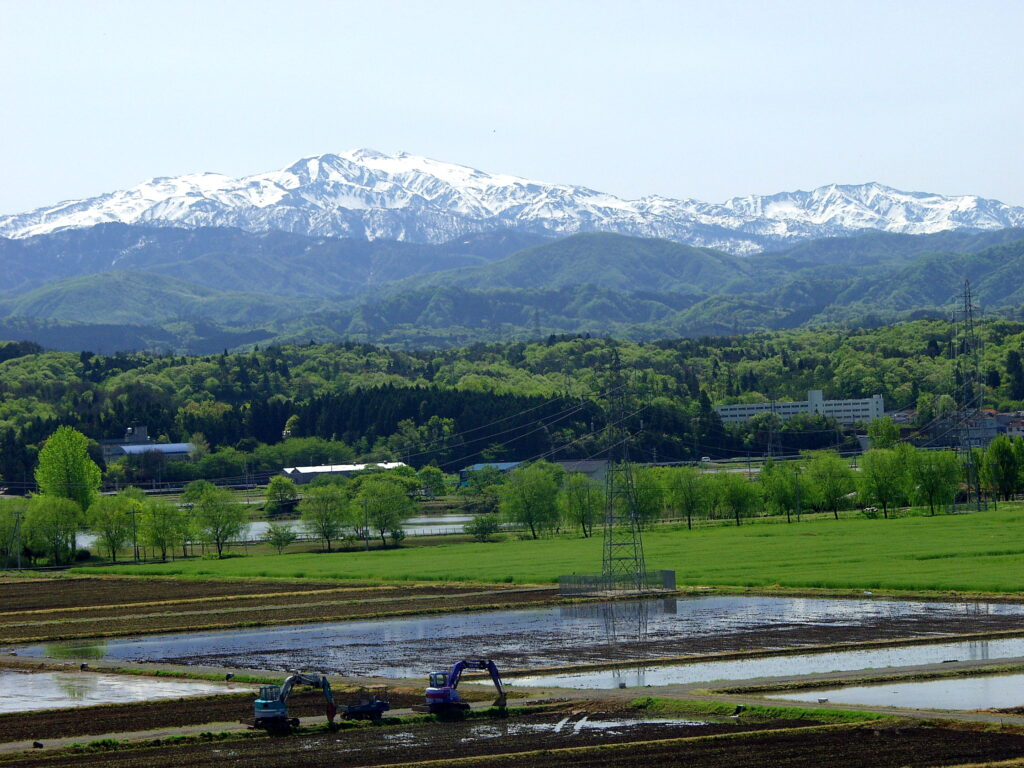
x=270, y=709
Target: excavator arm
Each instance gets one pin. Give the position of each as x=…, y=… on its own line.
x=482, y=664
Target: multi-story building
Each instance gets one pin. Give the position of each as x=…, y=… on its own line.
x=843, y=411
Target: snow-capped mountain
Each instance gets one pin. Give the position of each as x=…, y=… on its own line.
x=368, y=194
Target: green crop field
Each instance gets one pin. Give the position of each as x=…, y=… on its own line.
x=973, y=552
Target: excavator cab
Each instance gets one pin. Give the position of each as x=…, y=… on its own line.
x=438, y=679
x=268, y=708
x=442, y=695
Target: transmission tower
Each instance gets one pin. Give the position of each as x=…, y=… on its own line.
x=622, y=563
x=968, y=349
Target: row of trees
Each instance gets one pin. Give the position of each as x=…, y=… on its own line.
x=332, y=511
x=47, y=523
x=541, y=497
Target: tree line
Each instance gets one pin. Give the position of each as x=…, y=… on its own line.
x=540, y=498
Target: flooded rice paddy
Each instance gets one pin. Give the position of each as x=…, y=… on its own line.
x=987, y=692
x=574, y=634
x=779, y=666
x=25, y=691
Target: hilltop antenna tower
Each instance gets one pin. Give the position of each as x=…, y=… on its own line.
x=622, y=563
x=968, y=349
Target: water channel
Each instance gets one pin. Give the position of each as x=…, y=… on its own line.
x=595, y=632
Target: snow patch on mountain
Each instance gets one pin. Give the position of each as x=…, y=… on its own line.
x=370, y=194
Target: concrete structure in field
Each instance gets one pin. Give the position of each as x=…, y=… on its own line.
x=843, y=411
x=303, y=475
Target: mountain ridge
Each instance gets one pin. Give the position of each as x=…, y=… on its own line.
x=404, y=197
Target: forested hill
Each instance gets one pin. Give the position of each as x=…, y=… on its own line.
x=115, y=287
x=481, y=402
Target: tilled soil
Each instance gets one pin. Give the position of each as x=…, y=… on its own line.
x=98, y=613
x=434, y=741
x=89, y=590
x=643, y=745
x=168, y=713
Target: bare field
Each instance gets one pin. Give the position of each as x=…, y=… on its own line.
x=126, y=718
x=48, y=609
x=70, y=592
x=538, y=741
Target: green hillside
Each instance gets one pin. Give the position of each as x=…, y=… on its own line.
x=135, y=298
x=614, y=262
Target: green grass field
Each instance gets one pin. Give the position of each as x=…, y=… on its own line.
x=974, y=552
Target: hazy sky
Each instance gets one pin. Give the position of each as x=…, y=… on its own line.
x=685, y=99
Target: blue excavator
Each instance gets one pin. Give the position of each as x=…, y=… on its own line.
x=443, y=696
x=270, y=709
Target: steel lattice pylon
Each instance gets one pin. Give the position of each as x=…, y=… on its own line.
x=967, y=349
x=622, y=564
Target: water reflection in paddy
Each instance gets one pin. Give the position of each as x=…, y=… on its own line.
x=561, y=635
x=780, y=666
x=25, y=691
x=989, y=692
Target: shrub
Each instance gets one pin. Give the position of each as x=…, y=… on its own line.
x=483, y=527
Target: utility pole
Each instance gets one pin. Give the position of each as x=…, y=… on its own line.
x=366, y=526
x=135, y=538
x=797, y=489
x=16, y=537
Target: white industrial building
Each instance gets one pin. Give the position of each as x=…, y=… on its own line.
x=843, y=411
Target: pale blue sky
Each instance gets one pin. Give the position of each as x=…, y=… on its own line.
x=684, y=99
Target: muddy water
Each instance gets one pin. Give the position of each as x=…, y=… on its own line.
x=992, y=692
x=556, y=636
x=779, y=666
x=23, y=691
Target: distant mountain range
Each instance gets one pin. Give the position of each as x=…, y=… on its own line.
x=368, y=195
x=117, y=287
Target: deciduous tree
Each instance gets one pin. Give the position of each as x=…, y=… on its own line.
x=581, y=501
x=51, y=523
x=280, y=536
x=281, y=495
x=832, y=478
x=883, y=478
x=529, y=498
x=163, y=525
x=325, y=513
x=65, y=469
x=110, y=518
x=218, y=518
x=386, y=503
